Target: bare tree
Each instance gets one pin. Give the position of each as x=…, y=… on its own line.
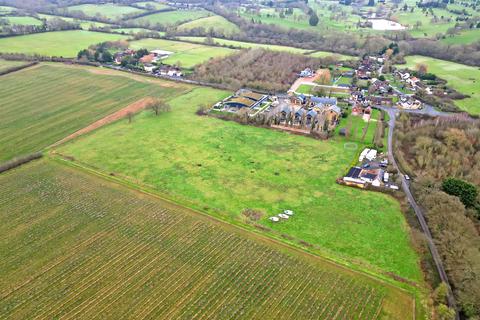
x=158, y=106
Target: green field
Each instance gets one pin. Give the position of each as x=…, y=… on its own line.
x=151, y=4
x=240, y=44
x=58, y=43
x=22, y=20
x=217, y=23
x=464, y=37
x=108, y=10
x=338, y=56
x=172, y=17
x=187, y=54
x=6, y=9
x=223, y=168
x=338, y=18
x=76, y=246
x=428, y=28
x=465, y=79
x=136, y=30
x=84, y=24
x=6, y=64
x=41, y=105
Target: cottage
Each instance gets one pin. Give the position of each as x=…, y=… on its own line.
x=306, y=73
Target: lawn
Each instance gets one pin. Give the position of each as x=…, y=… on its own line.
x=217, y=23
x=76, y=246
x=187, y=54
x=41, y=105
x=305, y=89
x=84, y=24
x=172, y=17
x=222, y=168
x=240, y=44
x=23, y=20
x=107, y=10
x=465, y=79
x=58, y=43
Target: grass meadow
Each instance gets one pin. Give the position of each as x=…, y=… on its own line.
x=427, y=27
x=463, y=37
x=216, y=23
x=59, y=43
x=84, y=24
x=23, y=20
x=6, y=64
x=222, y=168
x=240, y=44
x=151, y=4
x=41, y=105
x=465, y=79
x=108, y=10
x=185, y=54
x=172, y=17
x=7, y=9
x=76, y=246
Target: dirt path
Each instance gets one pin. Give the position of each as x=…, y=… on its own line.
x=122, y=113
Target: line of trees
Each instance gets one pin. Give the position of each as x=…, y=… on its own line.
x=444, y=157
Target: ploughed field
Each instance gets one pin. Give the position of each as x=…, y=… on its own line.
x=42, y=104
x=76, y=246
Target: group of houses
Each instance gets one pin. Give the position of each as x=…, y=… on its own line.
x=297, y=112
x=368, y=67
x=412, y=82
x=151, y=62
x=370, y=171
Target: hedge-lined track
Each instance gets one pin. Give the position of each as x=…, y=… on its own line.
x=43, y=104
x=77, y=247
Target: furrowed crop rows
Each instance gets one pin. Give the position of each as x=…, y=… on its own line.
x=76, y=247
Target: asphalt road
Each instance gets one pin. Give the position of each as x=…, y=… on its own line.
x=418, y=211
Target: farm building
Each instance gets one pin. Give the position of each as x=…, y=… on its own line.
x=161, y=54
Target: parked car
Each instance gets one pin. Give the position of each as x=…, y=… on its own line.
x=283, y=216
x=407, y=177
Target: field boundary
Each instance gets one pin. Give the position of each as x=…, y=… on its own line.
x=18, y=68
x=133, y=108
x=403, y=286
